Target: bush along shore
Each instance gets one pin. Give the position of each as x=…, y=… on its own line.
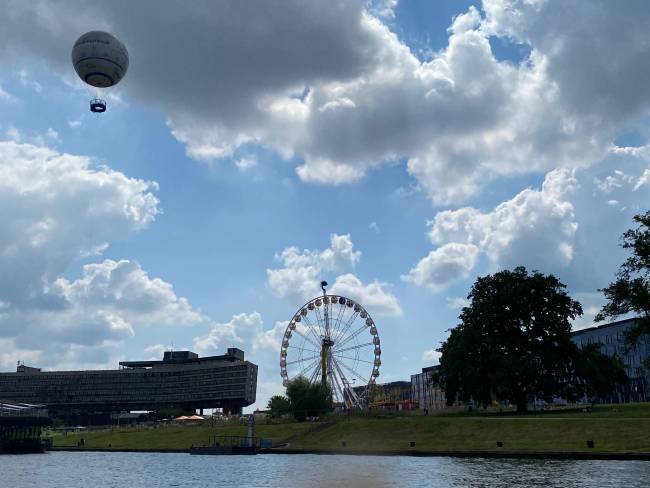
x=608, y=431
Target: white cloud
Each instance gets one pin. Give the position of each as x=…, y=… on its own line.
x=74, y=124
x=10, y=355
x=644, y=180
x=591, y=304
x=101, y=309
x=444, y=266
x=244, y=329
x=212, y=342
x=457, y=303
x=246, y=163
x=299, y=278
x=343, y=95
x=52, y=135
x=382, y=8
x=375, y=297
x=56, y=208
x=611, y=182
x=13, y=134
x=25, y=80
x=536, y=228
x=270, y=339
x=302, y=271
x=374, y=226
x=6, y=96
x=261, y=346
x=124, y=289
x=156, y=351
x=569, y=227
x=431, y=356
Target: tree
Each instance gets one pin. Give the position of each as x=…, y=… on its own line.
x=513, y=342
x=279, y=405
x=598, y=375
x=308, y=399
x=630, y=292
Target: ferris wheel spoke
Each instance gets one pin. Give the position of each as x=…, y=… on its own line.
x=303, y=349
x=354, y=359
x=303, y=360
x=320, y=320
x=339, y=318
x=313, y=364
x=353, y=335
x=335, y=381
x=353, y=398
x=312, y=329
x=350, y=321
x=314, y=375
x=306, y=338
x=353, y=371
x=358, y=346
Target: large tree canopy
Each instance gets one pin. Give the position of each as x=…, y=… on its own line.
x=630, y=292
x=308, y=399
x=278, y=406
x=513, y=342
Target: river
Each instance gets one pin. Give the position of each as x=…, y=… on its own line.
x=140, y=470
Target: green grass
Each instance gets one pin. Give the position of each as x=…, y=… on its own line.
x=173, y=437
x=612, y=427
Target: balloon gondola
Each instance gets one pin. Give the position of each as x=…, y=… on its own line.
x=101, y=61
x=97, y=105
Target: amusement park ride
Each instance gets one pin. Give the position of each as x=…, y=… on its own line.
x=333, y=339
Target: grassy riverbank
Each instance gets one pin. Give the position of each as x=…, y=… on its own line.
x=174, y=436
x=612, y=428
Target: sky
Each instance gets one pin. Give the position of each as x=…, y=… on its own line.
x=396, y=149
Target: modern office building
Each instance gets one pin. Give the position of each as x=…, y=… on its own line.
x=425, y=392
x=612, y=340
x=181, y=380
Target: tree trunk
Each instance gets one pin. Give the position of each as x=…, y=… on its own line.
x=522, y=403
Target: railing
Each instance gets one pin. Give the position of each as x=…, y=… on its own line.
x=239, y=441
x=22, y=410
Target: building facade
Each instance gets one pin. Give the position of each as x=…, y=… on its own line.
x=430, y=396
x=392, y=396
x=181, y=380
x=425, y=392
x=611, y=337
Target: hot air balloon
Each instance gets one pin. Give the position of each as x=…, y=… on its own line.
x=101, y=61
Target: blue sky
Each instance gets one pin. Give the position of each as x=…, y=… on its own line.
x=439, y=153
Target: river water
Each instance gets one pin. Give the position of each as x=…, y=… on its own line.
x=139, y=470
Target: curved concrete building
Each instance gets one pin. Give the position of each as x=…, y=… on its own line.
x=181, y=380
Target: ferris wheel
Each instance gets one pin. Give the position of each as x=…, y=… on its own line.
x=332, y=339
